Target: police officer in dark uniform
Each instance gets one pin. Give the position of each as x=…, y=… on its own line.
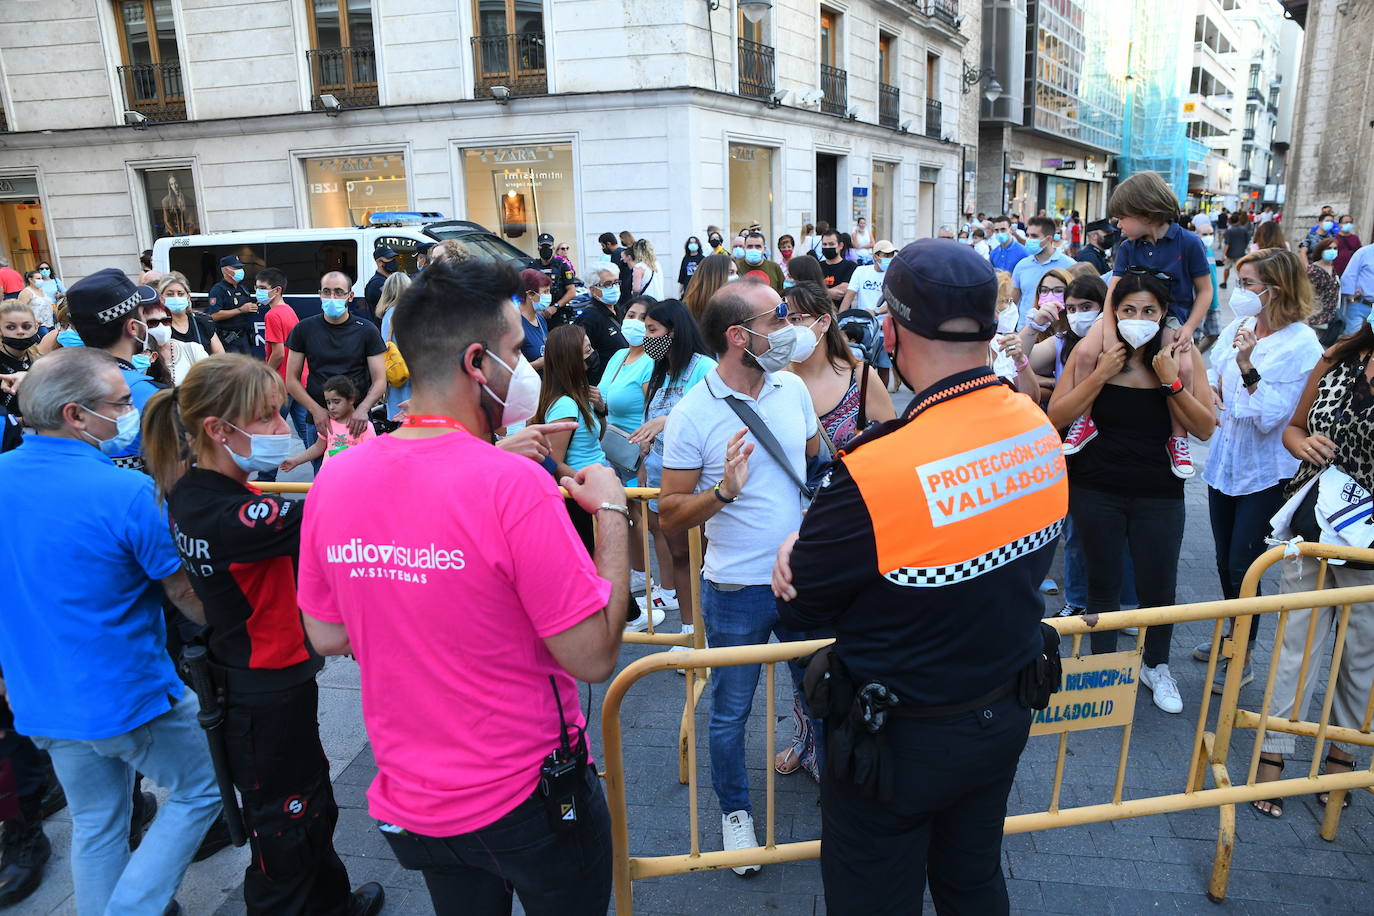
x=1095, y=251
x=384, y=256
x=563, y=281
x=922, y=554
x=234, y=308
x=239, y=547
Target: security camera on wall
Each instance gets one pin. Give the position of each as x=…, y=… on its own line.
x=812, y=99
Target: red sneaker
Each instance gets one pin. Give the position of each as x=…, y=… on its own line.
x=1083, y=431
x=1180, y=459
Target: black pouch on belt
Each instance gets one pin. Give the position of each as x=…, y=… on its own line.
x=1042, y=677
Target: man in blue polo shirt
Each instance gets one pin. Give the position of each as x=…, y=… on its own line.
x=1043, y=255
x=82, y=641
x=1006, y=252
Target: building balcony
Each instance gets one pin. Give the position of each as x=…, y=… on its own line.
x=757, y=70
x=348, y=74
x=1254, y=95
x=515, y=61
x=834, y=89
x=889, y=105
x=948, y=10
x=154, y=91
x=1244, y=174
x=1272, y=108
x=1248, y=134
x=934, y=118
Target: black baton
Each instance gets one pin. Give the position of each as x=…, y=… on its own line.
x=211, y=717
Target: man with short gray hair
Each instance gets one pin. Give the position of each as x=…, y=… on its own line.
x=82, y=639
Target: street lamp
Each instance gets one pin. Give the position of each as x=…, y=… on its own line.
x=973, y=76
x=755, y=10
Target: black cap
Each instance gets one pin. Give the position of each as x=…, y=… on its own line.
x=385, y=252
x=424, y=247
x=230, y=261
x=545, y=238
x=147, y=295
x=933, y=280
x=104, y=296
x=1099, y=225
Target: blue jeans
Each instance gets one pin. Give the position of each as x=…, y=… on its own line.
x=1076, y=572
x=743, y=617
x=1355, y=315
x=98, y=778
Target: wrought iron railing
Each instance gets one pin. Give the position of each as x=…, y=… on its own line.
x=934, y=118
x=889, y=105
x=154, y=91
x=1244, y=174
x=757, y=78
x=514, y=60
x=1248, y=134
x=947, y=10
x=834, y=90
x=348, y=74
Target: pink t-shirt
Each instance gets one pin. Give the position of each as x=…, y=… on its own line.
x=338, y=438
x=448, y=585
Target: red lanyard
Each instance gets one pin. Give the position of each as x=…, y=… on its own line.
x=432, y=421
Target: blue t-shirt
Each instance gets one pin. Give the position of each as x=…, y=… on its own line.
x=395, y=397
x=535, y=335
x=82, y=640
x=1026, y=276
x=1007, y=258
x=1179, y=253
x=584, y=448
x=622, y=387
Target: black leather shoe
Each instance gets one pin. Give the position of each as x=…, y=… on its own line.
x=21, y=868
x=54, y=799
x=144, y=812
x=367, y=900
x=216, y=838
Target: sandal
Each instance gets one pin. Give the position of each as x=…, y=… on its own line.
x=1275, y=804
x=1333, y=760
x=787, y=762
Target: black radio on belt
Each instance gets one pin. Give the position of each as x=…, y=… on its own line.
x=563, y=774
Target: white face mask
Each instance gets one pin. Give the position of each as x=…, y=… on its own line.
x=1007, y=319
x=1080, y=322
x=1137, y=331
x=266, y=451
x=779, y=353
x=160, y=335
x=522, y=395
x=805, y=344
x=1245, y=303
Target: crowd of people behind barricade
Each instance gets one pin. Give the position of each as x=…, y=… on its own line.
x=755, y=393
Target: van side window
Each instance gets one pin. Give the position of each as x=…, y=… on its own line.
x=200, y=263
x=305, y=262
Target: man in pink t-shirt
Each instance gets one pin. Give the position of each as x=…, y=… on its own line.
x=451, y=571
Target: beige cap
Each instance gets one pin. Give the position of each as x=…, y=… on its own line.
x=884, y=247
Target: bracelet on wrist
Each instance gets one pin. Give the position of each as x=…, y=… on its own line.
x=612, y=507
x=720, y=495
x=1022, y=363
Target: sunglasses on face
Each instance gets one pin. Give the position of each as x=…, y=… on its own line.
x=156, y=322
x=780, y=311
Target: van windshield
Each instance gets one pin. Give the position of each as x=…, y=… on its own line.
x=482, y=243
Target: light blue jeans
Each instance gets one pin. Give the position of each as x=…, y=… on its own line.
x=98, y=778
x=1355, y=314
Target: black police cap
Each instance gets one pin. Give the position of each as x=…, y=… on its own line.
x=933, y=280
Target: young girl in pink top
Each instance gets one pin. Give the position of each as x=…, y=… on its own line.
x=340, y=398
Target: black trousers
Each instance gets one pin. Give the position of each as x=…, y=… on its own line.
x=280, y=770
x=1239, y=526
x=943, y=824
x=23, y=771
x=555, y=874
x=1152, y=529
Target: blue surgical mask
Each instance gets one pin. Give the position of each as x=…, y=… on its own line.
x=238, y=275
x=545, y=300
x=266, y=451
x=46, y=273
x=1345, y=227
x=634, y=330
x=69, y=338
x=263, y=296
x=753, y=255
x=610, y=295
x=693, y=247
x=126, y=431
x=334, y=308
x=1033, y=246
x=177, y=304
x=1002, y=238
x=1329, y=254
x=141, y=361
x=737, y=251
x=1326, y=225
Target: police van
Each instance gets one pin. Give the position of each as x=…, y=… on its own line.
x=305, y=255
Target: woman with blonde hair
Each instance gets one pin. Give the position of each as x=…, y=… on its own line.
x=201, y=441
x=712, y=273
x=392, y=291
x=187, y=326
x=648, y=279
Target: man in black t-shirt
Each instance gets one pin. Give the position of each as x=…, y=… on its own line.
x=835, y=269
x=336, y=342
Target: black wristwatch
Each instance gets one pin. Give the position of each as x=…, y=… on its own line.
x=1250, y=378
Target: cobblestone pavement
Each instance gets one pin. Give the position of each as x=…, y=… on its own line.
x=1155, y=865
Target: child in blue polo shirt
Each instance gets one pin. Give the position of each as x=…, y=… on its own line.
x=1155, y=244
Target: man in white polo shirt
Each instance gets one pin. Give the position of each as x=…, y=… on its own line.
x=718, y=472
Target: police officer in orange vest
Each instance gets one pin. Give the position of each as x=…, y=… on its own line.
x=922, y=554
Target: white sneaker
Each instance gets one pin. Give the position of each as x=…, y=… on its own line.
x=688, y=629
x=641, y=623
x=1163, y=686
x=662, y=601
x=1131, y=631
x=737, y=832
x=637, y=582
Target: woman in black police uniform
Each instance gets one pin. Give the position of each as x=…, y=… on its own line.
x=239, y=546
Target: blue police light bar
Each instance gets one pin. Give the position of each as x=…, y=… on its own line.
x=403, y=218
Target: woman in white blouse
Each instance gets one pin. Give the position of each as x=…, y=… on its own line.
x=648, y=279
x=1260, y=365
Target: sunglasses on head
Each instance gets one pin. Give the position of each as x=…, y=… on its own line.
x=779, y=310
x=1147, y=272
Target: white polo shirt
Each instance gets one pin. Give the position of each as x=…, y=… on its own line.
x=867, y=283
x=743, y=537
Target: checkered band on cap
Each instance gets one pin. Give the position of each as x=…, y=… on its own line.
x=105, y=316
x=934, y=576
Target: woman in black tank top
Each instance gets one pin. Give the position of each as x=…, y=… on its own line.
x=1122, y=492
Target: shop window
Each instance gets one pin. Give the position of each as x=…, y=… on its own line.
x=751, y=188
x=346, y=190
x=170, y=196
x=519, y=192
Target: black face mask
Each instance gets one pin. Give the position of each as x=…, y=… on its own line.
x=593, y=361
x=21, y=343
x=545, y=251
x=829, y=253
x=715, y=241
x=389, y=266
